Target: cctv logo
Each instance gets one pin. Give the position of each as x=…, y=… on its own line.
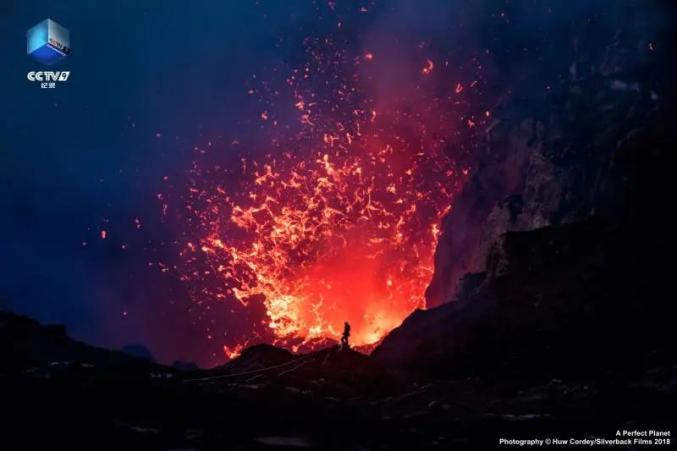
x=48, y=43
x=48, y=76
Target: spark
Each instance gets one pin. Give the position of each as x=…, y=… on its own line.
x=428, y=68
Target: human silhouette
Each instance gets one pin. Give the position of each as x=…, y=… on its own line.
x=345, y=336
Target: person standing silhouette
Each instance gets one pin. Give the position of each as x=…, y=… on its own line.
x=345, y=336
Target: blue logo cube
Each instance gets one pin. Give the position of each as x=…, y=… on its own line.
x=48, y=42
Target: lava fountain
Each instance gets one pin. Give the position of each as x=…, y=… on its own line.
x=339, y=221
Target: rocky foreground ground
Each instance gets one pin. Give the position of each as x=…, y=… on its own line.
x=59, y=392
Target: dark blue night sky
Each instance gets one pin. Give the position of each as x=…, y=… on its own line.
x=149, y=80
x=86, y=152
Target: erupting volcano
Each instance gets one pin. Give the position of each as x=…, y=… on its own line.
x=339, y=220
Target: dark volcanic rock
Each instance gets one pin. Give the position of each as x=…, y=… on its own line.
x=258, y=357
x=545, y=162
x=28, y=344
x=331, y=371
x=254, y=360
x=556, y=248
x=550, y=296
x=337, y=399
x=577, y=298
x=79, y=395
x=138, y=350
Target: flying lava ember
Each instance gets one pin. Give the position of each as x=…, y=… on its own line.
x=338, y=220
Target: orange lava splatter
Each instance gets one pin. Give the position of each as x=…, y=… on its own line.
x=339, y=223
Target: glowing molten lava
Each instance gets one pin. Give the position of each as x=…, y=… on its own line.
x=341, y=237
x=339, y=223
x=347, y=234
